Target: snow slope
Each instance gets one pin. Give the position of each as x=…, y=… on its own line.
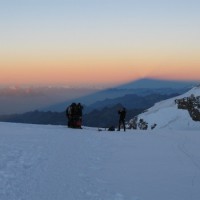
x=167, y=116
x=58, y=163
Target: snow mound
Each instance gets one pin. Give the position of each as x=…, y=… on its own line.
x=166, y=115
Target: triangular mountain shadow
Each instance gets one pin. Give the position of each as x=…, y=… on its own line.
x=157, y=83
x=139, y=87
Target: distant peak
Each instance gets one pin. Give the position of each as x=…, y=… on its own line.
x=157, y=83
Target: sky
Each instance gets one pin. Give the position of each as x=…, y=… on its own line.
x=98, y=42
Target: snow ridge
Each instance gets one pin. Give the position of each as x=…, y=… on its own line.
x=166, y=115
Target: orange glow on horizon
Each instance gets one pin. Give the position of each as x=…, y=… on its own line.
x=96, y=69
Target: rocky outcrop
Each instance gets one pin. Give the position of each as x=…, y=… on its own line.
x=192, y=104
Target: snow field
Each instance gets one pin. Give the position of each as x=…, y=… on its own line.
x=57, y=163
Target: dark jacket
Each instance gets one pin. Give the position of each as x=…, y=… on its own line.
x=122, y=114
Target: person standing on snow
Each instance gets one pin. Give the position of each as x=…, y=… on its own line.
x=122, y=116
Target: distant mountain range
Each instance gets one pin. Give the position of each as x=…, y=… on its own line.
x=131, y=101
x=102, y=114
x=100, y=107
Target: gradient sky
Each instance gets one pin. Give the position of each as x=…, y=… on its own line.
x=98, y=41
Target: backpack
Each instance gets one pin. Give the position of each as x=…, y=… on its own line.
x=112, y=128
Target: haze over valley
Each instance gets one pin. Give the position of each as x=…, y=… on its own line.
x=20, y=99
